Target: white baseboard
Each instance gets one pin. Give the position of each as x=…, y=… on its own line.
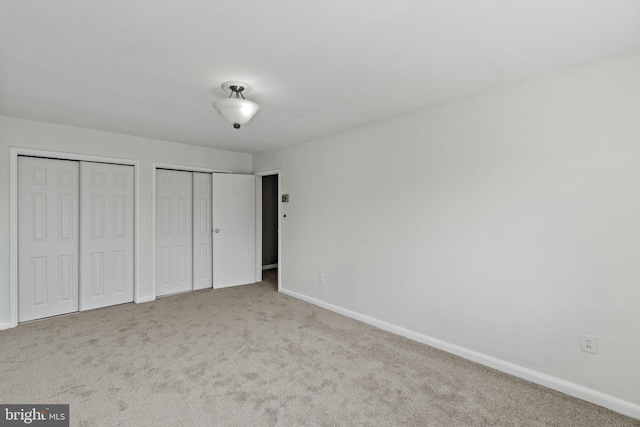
x=615, y=404
x=4, y=326
x=142, y=300
x=269, y=267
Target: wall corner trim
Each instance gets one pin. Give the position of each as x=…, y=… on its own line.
x=610, y=402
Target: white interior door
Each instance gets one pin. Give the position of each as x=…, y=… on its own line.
x=202, y=254
x=174, y=240
x=48, y=228
x=106, y=242
x=234, y=237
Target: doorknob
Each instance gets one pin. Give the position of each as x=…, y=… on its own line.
x=217, y=230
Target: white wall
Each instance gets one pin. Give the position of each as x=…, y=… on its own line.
x=46, y=136
x=506, y=223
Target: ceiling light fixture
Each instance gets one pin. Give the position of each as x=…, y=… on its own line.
x=237, y=110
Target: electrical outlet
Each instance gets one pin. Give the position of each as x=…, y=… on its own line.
x=589, y=343
x=320, y=277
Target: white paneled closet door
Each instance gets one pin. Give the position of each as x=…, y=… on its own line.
x=234, y=237
x=106, y=243
x=174, y=232
x=202, y=254
x=47, y=237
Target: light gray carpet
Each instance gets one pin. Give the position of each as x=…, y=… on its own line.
x=249, y=356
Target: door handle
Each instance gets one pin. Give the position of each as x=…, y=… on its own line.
x=217, y=230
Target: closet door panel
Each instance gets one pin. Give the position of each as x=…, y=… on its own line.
x=106, y=237
x=174, y=231
x=48, y=193
x=202, y=254
x=234, y=237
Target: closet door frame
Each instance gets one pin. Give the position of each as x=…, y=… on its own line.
x=14, y=152
x=154, y=168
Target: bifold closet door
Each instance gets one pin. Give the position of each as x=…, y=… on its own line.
x=202, y=254
x=234, y=237
x=106, y=234
x=174, y=232
x=48, y=236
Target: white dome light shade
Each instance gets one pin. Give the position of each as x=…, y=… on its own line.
x=236, y=110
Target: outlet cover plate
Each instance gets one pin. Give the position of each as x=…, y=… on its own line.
x=589, y=343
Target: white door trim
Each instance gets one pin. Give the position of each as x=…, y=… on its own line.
x=258, y=228
x=154, y=167
x=259, y=225
x=14, y=152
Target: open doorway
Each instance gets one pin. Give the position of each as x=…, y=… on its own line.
x=270, y=229
x=269, y=222
x=268, y=253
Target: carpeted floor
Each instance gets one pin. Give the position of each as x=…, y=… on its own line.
x=249, y=356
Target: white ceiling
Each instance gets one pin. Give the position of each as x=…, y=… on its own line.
x=153, y=67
